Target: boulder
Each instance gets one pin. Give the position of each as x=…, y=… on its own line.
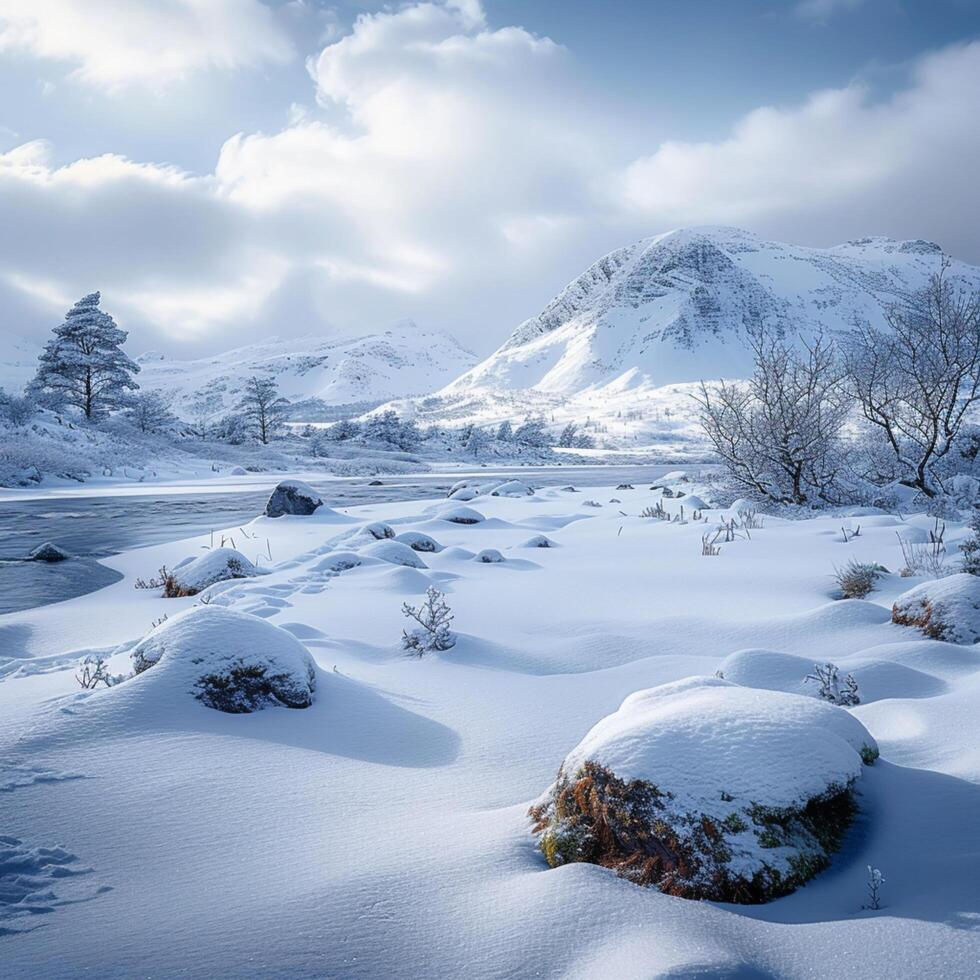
x=512, y=488
x=379, y=530
x=48, y=552
x=228, y=660
x=945, y=609
x=293, y=497
x=708, y=790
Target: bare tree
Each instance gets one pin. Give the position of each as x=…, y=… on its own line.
x=262, y=407
x=779, y=434
x=917, y=381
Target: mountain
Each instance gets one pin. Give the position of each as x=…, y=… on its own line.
x=322, y=378
x=622, y=344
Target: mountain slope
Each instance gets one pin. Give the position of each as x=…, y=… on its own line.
x=673, y=308
x=622, y=346
x=320, y=377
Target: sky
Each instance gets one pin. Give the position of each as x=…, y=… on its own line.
x=229, y=170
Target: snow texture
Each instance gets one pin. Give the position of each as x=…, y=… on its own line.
x=946, y=609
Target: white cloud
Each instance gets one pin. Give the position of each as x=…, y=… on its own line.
x=114, y=43
x=462, y=178
x=905, y=166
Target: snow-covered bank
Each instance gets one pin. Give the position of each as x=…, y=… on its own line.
x=383, y=830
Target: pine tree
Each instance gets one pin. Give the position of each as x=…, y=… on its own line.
x=263, y=409
x=84, y=364
x=506, y=431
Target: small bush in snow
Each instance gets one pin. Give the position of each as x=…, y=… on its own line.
x=95, y=671
x=857, y=578
x=832, y=687
x=591, y=503
x=922, y=558
x=875, y=880
x=433, y=618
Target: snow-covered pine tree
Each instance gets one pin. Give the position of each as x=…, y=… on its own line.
x=84, y=363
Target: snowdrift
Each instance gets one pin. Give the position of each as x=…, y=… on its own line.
x=228, y=660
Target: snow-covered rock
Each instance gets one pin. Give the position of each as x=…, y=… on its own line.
x=395, y=552
x=228, y=660
x=512, y=488
x=338, y=561
x=379, y=530
x=293, y=497
x=539, y=541
x=945, y=609
x=48, y=552
x=196, y=574
x=418, y=541
x=464, y=493
x=709, y=790
x=489, y=556
x=461, y=515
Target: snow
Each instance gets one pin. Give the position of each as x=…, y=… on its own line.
x=624, y=345
x=395, y=552
x=201, y=642
x=702, y=737
x=947, y=609
x=383, y=830
x=217, y=565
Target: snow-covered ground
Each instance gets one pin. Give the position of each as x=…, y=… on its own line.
x=383, y=831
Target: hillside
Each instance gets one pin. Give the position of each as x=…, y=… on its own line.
x=322, y=378
x=623, y=343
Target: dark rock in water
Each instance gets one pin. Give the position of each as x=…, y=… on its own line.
x=375, y=483
x=292, y=497
x=48, y=552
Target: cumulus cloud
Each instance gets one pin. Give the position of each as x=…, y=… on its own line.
x=459, y=174
x=113, y=43
x=841, y=160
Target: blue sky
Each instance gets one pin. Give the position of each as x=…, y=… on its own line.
x=229, y=169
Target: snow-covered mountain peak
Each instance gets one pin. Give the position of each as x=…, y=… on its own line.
x=672, y=308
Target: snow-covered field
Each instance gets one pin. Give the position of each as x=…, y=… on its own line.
x=383, y=831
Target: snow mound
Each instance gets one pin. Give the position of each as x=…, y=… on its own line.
x=418, y=541
x=768, y=670
x=464, y=493
x=217, y=565
x=946, y=609
x=379, y=530
x=489, y=556
x=338, y=561
x=695, y=502
x=395, y=552
x=512, y=488
x=708, y=790
x=461, y=515
x=539, y=541
x=293, y=497
x=228, y=660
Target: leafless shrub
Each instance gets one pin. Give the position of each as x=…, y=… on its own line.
x=833, y=688
x=709, y=543
x=95, y=671
x=918, y=381
x=926, y=558
x=779, y=434
x=433, y=618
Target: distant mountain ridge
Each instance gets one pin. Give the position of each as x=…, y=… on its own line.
x=322, y=378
